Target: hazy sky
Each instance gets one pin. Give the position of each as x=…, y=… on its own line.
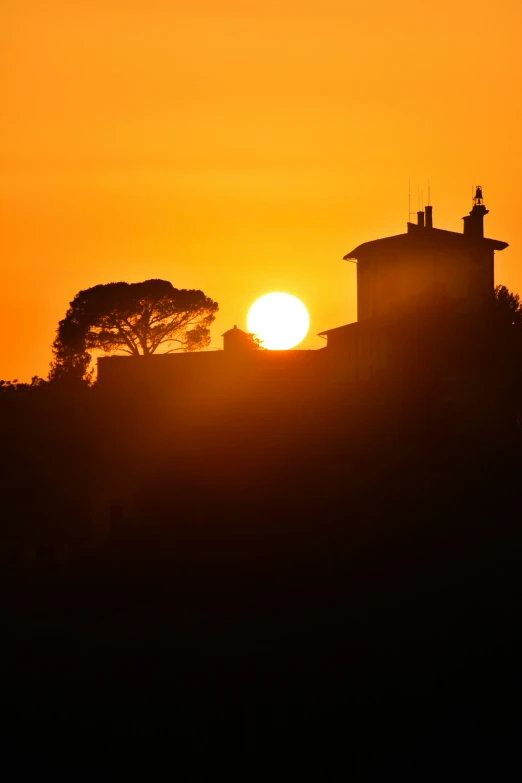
x=242, y=147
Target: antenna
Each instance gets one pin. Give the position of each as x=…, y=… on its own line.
x=429, y=193
x=410, y=213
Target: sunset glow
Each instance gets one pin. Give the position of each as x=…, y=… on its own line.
x=279, y=320
x=242, y=147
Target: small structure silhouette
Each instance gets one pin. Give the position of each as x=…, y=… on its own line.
x=236, y=341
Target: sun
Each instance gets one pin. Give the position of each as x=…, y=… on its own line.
x=280, y=320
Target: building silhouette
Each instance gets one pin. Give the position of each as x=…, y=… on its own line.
x=239, y=369
x=425, y=280
x=421, y=297
x=236, y=340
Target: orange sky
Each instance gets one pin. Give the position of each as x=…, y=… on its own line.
x=242, y=147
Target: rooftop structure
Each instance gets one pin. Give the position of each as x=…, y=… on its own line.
x=425, y=261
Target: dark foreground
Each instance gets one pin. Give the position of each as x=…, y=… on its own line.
x=320, y=588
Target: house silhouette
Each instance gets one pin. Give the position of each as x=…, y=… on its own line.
x=425, y=280
x=236, y=340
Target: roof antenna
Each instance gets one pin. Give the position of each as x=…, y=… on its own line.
x=429, y=193
x=410, y=213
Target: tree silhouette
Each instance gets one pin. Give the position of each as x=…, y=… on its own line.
x=16, y=387
x=252, y=342
x=133, y=318
x=256, y=343
x=508, y=306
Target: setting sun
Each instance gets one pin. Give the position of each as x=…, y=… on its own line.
x=279, y=320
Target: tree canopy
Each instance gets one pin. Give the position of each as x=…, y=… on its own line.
x=133, y=318
x=508, y=306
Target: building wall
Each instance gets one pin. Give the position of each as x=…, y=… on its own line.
x=205, y=375
x=358, y=351
x=389, y=282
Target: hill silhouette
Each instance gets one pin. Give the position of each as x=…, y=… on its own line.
x=254, y=554
x=329, y=564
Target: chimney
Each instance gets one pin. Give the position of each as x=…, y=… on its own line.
x=420, y=219
x=429, y=217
